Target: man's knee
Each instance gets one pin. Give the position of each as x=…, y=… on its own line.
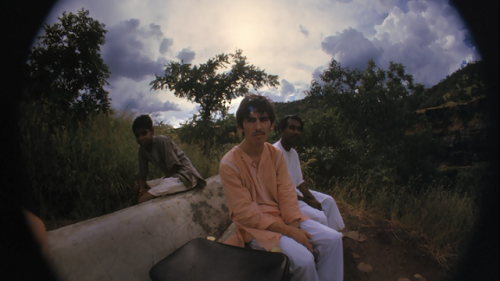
x=315, y=215
x=334, y=237
x=328, y=201
x=337, y=236
x=321, y=218
x=327, y=236
x=303, y=260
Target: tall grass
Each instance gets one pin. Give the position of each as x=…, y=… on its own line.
x=79, y=170
x=83, y=170
x=441, y=217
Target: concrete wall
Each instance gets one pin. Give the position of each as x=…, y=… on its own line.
x=124, y=245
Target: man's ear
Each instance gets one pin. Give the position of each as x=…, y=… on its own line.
x=272, y=126
x=153, y=130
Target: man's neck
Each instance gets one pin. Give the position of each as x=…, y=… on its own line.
x=287, y=146
x=253, y=151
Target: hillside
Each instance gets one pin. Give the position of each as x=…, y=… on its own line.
x=455, y=110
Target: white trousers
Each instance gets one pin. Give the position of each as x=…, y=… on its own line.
x=164, y=186
x=325, y=263
x=330, y=216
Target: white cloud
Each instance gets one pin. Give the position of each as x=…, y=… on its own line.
x=426, y=36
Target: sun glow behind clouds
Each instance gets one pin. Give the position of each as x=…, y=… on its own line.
x=426, y=36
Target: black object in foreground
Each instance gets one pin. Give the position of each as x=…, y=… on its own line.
x=201, y=259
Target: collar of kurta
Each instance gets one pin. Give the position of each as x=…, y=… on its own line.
x=263, y=156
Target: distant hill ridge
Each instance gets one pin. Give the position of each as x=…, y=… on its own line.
x=456, y=109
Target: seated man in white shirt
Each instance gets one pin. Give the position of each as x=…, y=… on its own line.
x=316, y=205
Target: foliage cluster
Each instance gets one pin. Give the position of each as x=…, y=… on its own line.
x=358, y=146
x=87, y=169
x=463, y=85
x=213, y=89
x=356, y=124
x=79, y=170
x=224, y=131
x=65, y=68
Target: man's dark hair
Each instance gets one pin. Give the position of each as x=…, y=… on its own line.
x=255, y=103
x=143, y=121
x=284, y=122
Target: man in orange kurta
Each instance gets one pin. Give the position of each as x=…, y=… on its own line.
x=263, y=204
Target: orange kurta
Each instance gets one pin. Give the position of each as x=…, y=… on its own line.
x=258, y=196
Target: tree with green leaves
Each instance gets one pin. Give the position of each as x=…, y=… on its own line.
x=213, y=89
x=359, y=120
x=65, y=68
x=375, y=101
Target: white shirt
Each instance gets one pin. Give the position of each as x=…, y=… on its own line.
x=293, y=165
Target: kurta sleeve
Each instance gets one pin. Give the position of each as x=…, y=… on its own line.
x=287, y=197
x=182, y=158
x=169, y=153
x=242, y=209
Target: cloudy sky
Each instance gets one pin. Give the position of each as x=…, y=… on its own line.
x=294, y=39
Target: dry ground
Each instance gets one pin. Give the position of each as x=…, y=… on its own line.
x=391, y=251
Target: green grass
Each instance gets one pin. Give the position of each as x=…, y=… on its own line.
x=443, y=218
x=81, y=171
x=85, y=170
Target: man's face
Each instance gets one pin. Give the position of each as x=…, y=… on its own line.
x=257, y=127
x=144, y=137
x=291, y=134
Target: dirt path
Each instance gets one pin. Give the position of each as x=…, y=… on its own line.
x=375, y=249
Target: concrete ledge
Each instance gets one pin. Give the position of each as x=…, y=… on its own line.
x=124, y=245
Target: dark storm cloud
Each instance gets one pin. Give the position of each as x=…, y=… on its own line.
x=403, y=5
x=148, y=103
x=165, y=45
x=351, y=48
x=286, y=88
x=273, y=95
x=125, y=53
x=469, y=40
x=425, y=39
x=155, y=30
x=186, y=55
x=368, y=20
x=303, y=30
x=317, y=74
